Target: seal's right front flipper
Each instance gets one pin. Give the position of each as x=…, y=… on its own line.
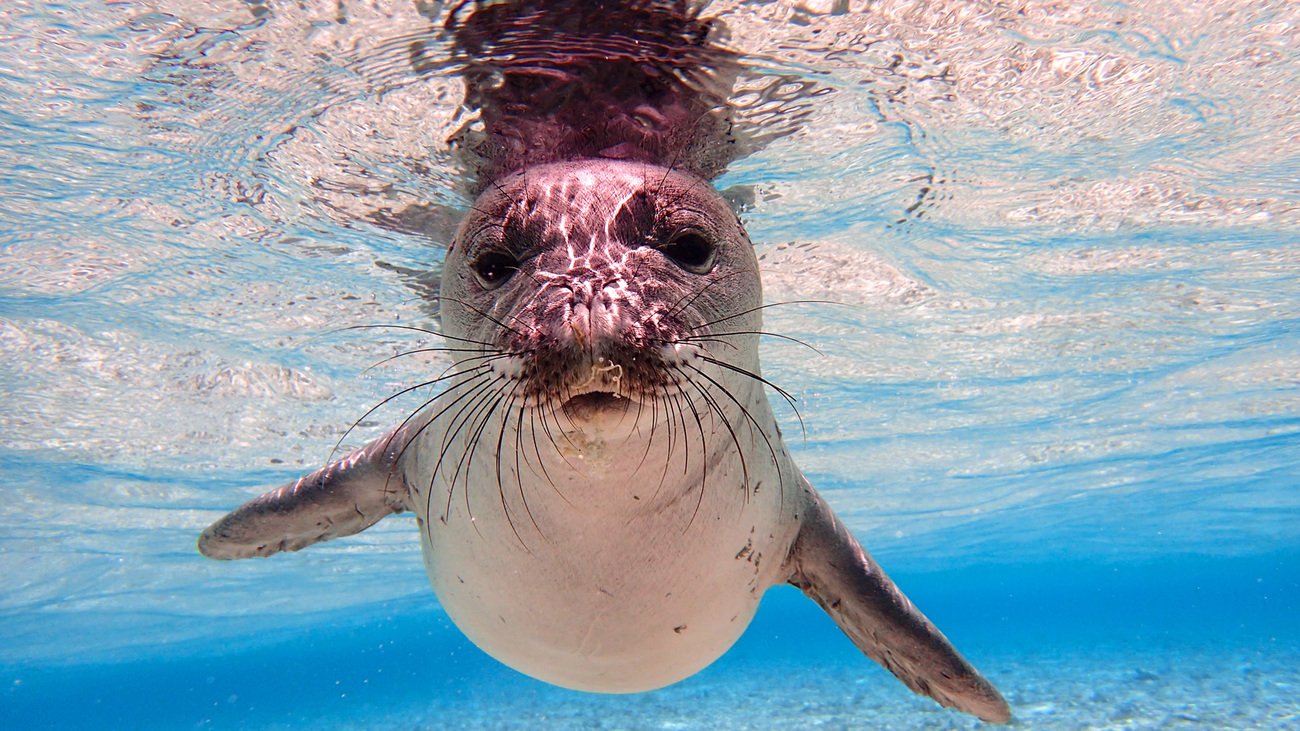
x=829, y=565
x=340, y=499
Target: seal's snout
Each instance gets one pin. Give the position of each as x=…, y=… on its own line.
x=598, y=348
x=596, y=313
x=597, y=337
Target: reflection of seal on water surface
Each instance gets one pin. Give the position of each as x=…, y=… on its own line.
x=602, y=490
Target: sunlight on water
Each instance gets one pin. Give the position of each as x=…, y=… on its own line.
x=1048, y=255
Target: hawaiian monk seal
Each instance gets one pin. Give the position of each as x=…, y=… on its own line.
x=602, y=491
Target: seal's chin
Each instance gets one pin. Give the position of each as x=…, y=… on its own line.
x=587, y=406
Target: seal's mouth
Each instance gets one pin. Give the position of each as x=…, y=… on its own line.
x=602, y=390
x=587, y=405
x=594, y=400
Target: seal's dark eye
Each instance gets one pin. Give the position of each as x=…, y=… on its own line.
x=691, y=251
x=494, y=268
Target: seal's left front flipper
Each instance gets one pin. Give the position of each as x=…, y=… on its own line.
x=829, y=565
x=340, y=499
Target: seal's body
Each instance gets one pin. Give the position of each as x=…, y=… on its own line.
x=602, y=499
x=603, y=494
x=602, y=491
x=629, y=476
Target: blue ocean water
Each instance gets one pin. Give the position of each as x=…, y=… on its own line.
x=1059, y=398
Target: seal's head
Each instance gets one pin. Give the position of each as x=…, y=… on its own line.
x=596, y=284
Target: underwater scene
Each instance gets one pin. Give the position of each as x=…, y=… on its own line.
x=1030, y=327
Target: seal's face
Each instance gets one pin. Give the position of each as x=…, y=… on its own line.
x=596, y=284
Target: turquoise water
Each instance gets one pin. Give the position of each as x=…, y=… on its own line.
x=1059, y=401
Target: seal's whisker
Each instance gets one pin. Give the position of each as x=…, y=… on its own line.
x=704, y=470
x=678, y=394
x=469, y=377
x=519, y=481
x=412, y=328
x=737, y=369
x=539, y=416
x=411, y=439
x=715, y=337
x=623, y=418
x=444, y=376
x=687, y=190
x=789, y=399
x=469, y=397
x=681, y=148
x=771, y=449
x=672, y=164
x=470, y=412
x=532, y=432
x=416, y=351
x=501, y=490
x=678, y=397
x=696, y=339
x=763, y=307
x=467, y=460
x=555, y=416
x=520, y=458
x=649, y=442
x=716, y=407
x=543, y=409
x=514, y=318
x=480, y=313
x=689, y=298
x=448, y=437
x=502, y=190
x=668, y=401
x=467, y=413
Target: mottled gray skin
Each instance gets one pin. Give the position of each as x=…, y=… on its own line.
x=603, y=494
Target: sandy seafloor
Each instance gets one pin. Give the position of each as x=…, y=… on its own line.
x=1173, y=646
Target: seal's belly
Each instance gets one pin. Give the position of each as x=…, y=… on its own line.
x=614, y=583
x=615, y=619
